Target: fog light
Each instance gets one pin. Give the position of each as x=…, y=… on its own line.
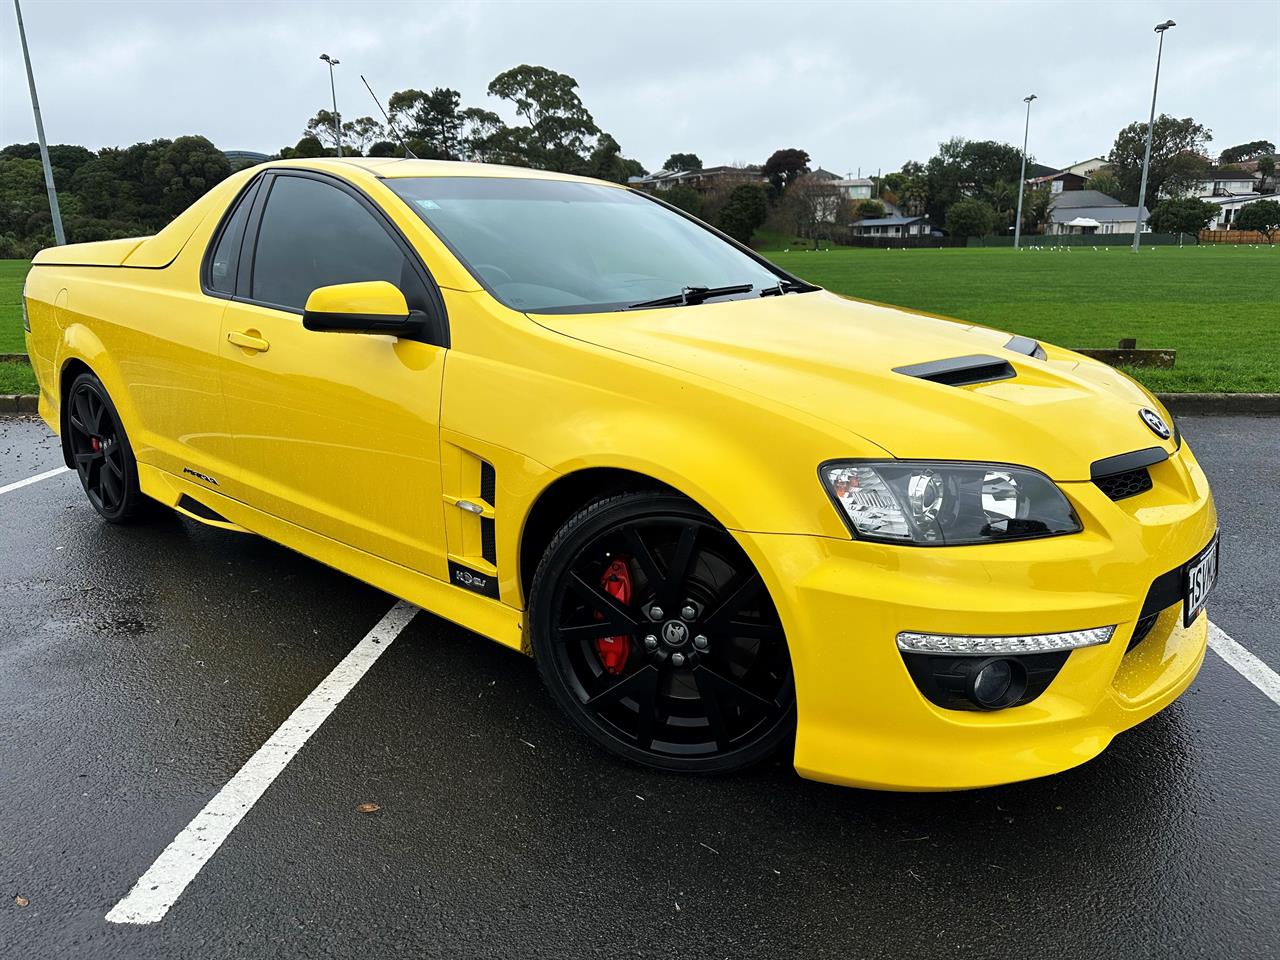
x=997, y=683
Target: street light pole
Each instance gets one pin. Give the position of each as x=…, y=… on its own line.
x=1146, y=160
x=337, y=129
x=1022, y=180
x=54, y=212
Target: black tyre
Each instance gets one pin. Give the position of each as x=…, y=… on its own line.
x=656, y=635
x=101, y=454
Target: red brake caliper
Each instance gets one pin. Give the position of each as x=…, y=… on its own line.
x=614, y=651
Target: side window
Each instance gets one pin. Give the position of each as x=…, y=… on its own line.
x=312, y=235
x=226, y=255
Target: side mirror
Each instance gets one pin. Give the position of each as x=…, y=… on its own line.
x=371, y=306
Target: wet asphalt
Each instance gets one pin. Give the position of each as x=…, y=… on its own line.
x=140, y=667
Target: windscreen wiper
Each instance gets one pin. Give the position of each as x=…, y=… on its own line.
x=784, y=286
x=691, y=295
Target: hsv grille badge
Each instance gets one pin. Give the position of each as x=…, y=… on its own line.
x=675, y=633
x=1155, y=422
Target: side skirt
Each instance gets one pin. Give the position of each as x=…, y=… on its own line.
x=489, y=618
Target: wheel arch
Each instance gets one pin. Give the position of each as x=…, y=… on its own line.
x=67, y=374
x=561, y=499
x=81, y=351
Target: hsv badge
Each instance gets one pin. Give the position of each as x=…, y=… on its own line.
x=1155, y=422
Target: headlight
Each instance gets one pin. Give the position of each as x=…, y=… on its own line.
x=944, y=504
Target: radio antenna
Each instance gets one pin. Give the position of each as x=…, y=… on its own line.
x=390, y=123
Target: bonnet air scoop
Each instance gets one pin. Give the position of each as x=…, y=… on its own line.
x=961, y=371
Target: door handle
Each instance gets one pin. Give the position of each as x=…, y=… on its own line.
x=247, y=340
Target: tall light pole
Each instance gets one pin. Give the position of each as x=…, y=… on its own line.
x=54, y=212
x=337, y=129
x=1022, y=180
x=1146, y=160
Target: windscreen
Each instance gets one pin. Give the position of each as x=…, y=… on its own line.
x=550, y=246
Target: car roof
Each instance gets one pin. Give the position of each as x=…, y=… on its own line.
x=391, y=168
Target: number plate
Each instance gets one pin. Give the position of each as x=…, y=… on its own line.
x=1197, y=580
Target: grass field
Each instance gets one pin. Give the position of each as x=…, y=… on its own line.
x=1218, y=306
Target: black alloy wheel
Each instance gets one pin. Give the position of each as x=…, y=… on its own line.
x=100, y=452
x=685, y=667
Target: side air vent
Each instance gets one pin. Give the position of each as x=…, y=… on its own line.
x=489, y=494
x=488, y=541
x=1027, y=347
x=198, y=509
x=961, y=371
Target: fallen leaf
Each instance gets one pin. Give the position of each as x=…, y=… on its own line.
x=21, y=901
x=368, y=808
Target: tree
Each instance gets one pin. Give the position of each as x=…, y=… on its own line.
x=686, y=198
x=869, y=210
x=1104, y=181
x=1261, y=215
x=784, y=166
x=384, y=148
x=1177, y=157
x=744, y=212
x=812, y=204
x=1186, y=215
x=970, y=169
x=560, y=131
x=969, y=218
x=321, y=127
x=1254, y=150
x=434, y=119
x=607, y=162
x=1036, y=204
x=307, y=147
x=683, y=161
x=185, y=170
x=360, y=132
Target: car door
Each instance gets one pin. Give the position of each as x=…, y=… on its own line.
x=337, y=433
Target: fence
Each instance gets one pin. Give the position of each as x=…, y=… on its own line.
x=1232, y=236
x=904, y=242
x=1088, y=240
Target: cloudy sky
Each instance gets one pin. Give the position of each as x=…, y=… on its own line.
x=860, y=85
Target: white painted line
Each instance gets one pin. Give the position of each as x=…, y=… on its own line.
x=1245, y=663
x=164, y=881
x=19, y=484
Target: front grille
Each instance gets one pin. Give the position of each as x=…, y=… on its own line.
x=1141, y=630
x=1118, y=486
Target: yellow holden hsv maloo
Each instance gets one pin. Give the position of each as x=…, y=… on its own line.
x=726, y=511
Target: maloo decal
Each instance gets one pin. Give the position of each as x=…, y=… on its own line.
x=200, y=476
x=473, y=580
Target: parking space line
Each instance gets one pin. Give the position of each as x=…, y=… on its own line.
x=164, y=881
x=1245, y=663
x=19, y=484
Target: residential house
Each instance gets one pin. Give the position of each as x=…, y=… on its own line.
x=1229, y=182
x=1086, y=168
x=701, y=180
x=854, y=188
x=1059, y=182
x=1089, y=211
x=895, y=226
x=1229, y=208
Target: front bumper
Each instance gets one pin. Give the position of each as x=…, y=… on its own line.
x=863, y=722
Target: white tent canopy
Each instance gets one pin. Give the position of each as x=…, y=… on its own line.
x=1083, y=222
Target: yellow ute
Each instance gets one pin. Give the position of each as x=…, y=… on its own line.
x=724, y=509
